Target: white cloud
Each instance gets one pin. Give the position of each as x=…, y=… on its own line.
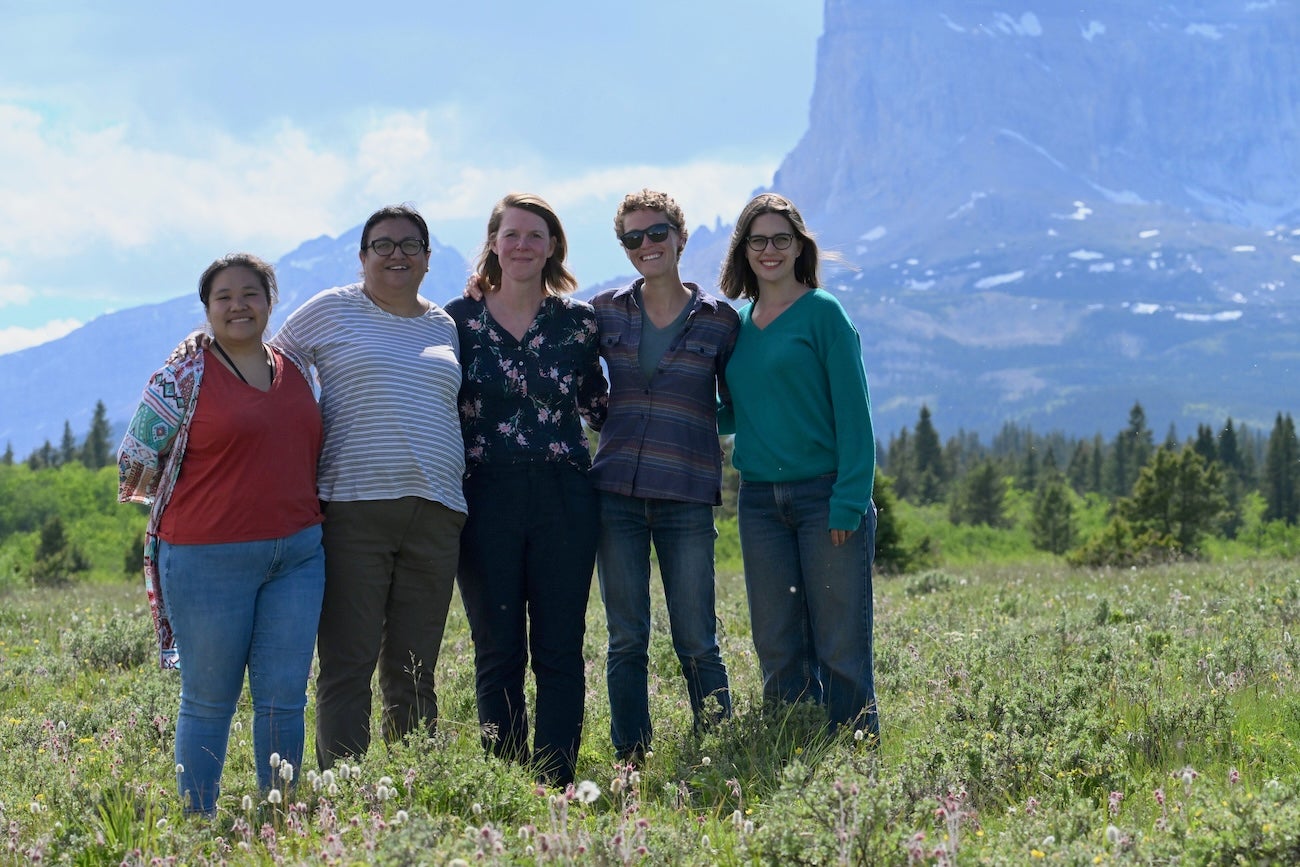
x=15, y=338
x=12, y=292
x=999, y=280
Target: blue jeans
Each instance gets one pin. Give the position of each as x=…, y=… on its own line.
x=526, y=557
x=809, y=601
x=237, y=606
x=683, y=535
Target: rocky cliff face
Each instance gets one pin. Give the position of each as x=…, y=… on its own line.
x=1055, y=213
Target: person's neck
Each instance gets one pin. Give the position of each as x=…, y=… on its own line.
x=662, y=298
x=406, y=304
x=242, y=350
x=516, y=296
x=781, y=294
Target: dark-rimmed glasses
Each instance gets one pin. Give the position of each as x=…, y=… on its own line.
x=386, y=246
x=781, y=241
x=656, y=233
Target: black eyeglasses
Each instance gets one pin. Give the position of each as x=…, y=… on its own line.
x=656, y=233
x=758, y=243
x=386, y=246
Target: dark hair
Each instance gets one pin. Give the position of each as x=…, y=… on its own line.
x=652, y=200
x=556, y=277
x=738, y=279
x=265, y=274
x=395, y=212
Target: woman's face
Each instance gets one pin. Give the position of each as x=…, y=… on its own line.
x=523, y=244
x=772, y=265
x=397, y=273
x=238, y=308
x=652, y=258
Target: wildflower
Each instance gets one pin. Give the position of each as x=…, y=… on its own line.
x=1160, y=797
x=327, y=778
x=1112, y=835
x=588, y=791
x=399, y=817
x=616, y=785
x=275, y=760
x=180, y=769
x=737, y=818
x=704, y=841
x=859, y=734
x=286, y=771
x=1234, y=776
x=273, y=796
x=749, y=827
x=160, y=824
x=332, y=790
x=1114, y=800
x=247, y=803
x=476, y=809
x=706, y=761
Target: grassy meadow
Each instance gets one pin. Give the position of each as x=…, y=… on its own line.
x=1030, y=713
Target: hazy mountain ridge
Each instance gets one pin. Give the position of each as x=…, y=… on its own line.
x=1049, y=213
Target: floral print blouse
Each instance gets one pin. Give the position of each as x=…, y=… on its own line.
x=525, y=400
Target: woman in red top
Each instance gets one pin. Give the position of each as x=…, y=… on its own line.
x=224, y=448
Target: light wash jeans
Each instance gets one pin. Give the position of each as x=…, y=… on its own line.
x=241, y=606
x=683, y=535
x=810, y=601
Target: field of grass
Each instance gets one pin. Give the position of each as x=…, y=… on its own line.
x=1030, y=713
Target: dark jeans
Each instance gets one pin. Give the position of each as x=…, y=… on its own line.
x=390, y=567
x=526, y=559
x=810, y=601
x=683, y=535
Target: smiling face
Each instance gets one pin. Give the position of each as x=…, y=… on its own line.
x=398, y=273
x=653, y=259
x=522, y=243
x=771, y=265
x=238, y=307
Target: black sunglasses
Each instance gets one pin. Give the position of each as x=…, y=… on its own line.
x=656, y=233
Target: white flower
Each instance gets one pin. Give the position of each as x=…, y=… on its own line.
x=247, y=803
x=180, y=769
x=706, y=761
x=399, y=817
x=327, y=778
x=587, y=791
x=273, y=796
x=286, y=771
x=1112, y=834
x=275, y=760
x=476, y=809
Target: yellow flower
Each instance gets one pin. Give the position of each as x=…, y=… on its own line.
x=1038, y=853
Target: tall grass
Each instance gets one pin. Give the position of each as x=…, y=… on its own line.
x=1029, y=712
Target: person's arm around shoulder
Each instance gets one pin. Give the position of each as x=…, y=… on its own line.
x=592, y=387
x=153, y=429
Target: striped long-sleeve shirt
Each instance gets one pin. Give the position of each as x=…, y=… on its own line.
x=660, y=440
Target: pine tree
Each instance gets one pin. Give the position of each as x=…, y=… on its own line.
x=8, y=459
x=1052, y=526
x=1205, y=445
x=927, y=459
x=900, y=465
x=1178, y=497
x=981, y=499
x=67, y=446
x=95, y=452
x=1281, y=478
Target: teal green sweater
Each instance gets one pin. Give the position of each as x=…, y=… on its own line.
x=799, y=404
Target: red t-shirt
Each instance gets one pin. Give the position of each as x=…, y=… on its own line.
x=249, y=469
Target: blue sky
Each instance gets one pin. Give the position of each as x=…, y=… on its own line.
x=140, y=140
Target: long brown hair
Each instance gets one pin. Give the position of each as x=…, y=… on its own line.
x=556, y=277
x=738, y=279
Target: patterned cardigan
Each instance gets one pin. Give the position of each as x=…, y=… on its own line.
x=149, y=463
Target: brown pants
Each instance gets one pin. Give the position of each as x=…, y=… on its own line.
x=390, y=566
